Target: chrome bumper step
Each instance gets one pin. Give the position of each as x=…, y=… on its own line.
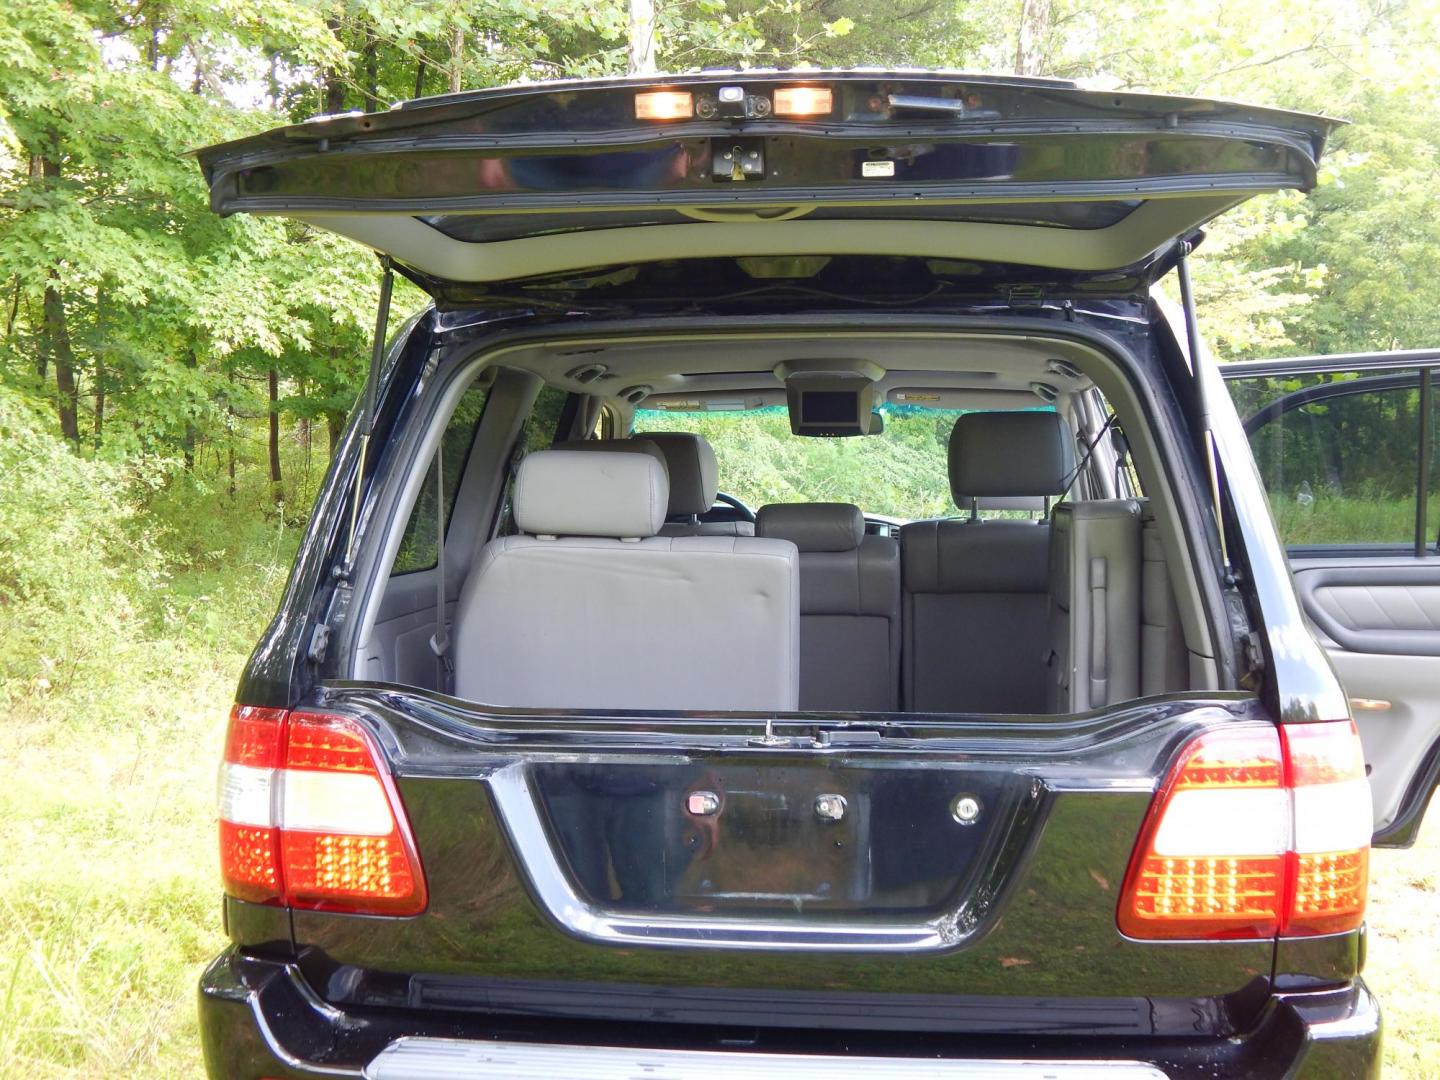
x=451, y=1059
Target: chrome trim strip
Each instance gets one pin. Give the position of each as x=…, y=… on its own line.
x=574, y=914
x=418, y=1058
x=1398, y=359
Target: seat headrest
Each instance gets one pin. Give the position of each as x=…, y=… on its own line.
x=813, y=526
x=694, y=475
x=637, y=445
x=590, y=493
x=1009, y=453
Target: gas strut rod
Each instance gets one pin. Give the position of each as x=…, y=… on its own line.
x=367, y=401
x=1202, y=391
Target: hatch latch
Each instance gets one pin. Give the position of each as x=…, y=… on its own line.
x=737, y=160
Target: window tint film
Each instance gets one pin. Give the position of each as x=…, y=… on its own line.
x=1338, y=454
x=417, y=547
x=544, y=418
x=539, y=434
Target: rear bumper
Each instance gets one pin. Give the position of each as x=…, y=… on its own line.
x=259, y=1018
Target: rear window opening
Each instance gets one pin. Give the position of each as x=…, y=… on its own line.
x=635, y=525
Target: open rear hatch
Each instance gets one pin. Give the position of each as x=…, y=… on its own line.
x=546, y=178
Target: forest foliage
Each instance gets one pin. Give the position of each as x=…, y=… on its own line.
x=193, y=372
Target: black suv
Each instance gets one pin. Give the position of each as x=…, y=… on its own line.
x=998, y=743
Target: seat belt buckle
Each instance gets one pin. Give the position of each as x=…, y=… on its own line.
x=440, y=646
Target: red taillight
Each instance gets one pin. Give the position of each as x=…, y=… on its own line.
x=308, y=818
x=1255, y=832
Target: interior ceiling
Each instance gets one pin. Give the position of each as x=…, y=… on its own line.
x=999, y=371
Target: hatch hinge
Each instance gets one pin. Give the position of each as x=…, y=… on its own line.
x=319, y=644
x=1246, y=637
x=1254, y=657
x=1025, y=295
x=334, y=619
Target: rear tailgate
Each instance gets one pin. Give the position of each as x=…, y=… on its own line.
x=922, y=874
x=550, y=177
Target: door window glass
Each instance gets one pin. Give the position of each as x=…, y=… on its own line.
x=1338, y=454
x=418, y=550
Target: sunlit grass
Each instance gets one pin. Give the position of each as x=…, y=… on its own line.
x=1329, y=519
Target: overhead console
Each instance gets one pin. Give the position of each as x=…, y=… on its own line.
x=831, y=398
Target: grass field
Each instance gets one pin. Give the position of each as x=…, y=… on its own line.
x=109, y=904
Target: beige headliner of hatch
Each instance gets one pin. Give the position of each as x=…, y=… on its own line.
x=995, y=371
x=409, y=240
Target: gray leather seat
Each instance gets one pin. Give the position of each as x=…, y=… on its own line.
x=849, y=606
x=589, y=609
x=975, y=592
x=694, y=481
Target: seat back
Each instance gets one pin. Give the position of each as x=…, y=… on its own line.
x=589, y=609
x=1095, y=570
x=1164, y=665
x=975, y=592
x=849, y=606
x=694, y=482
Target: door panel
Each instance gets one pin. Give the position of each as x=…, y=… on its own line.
x=1375, y=608
x=1370, y=616
x=1343, y=451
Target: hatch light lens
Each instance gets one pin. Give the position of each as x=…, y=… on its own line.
x=664, y=105
x=309, y=817
x=804, y=101
x=1255, y=832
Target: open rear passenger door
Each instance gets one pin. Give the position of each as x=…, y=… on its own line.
x=1346, y=448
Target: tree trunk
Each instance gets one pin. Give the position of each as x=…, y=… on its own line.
x=57, y=347
x=42, y=354
x=334, y=422
x=334, y=85
x=100, y=376
x=370, y=54
x=230, y=437
x=1030, y=35
x=14, y=310
x=273, y=379
x=101, y=337
x=420, y=68
x=187, y=443
x=56, y=344
x=457, y=50
x=642, y=37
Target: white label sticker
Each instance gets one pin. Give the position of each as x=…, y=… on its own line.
x=877, y=168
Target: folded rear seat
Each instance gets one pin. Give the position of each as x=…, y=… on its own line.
x=849, y=606
x=1095, y=572
x=975, y=592
x=589, y=609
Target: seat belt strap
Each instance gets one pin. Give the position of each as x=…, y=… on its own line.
x=507, y=494
x=440, y=640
